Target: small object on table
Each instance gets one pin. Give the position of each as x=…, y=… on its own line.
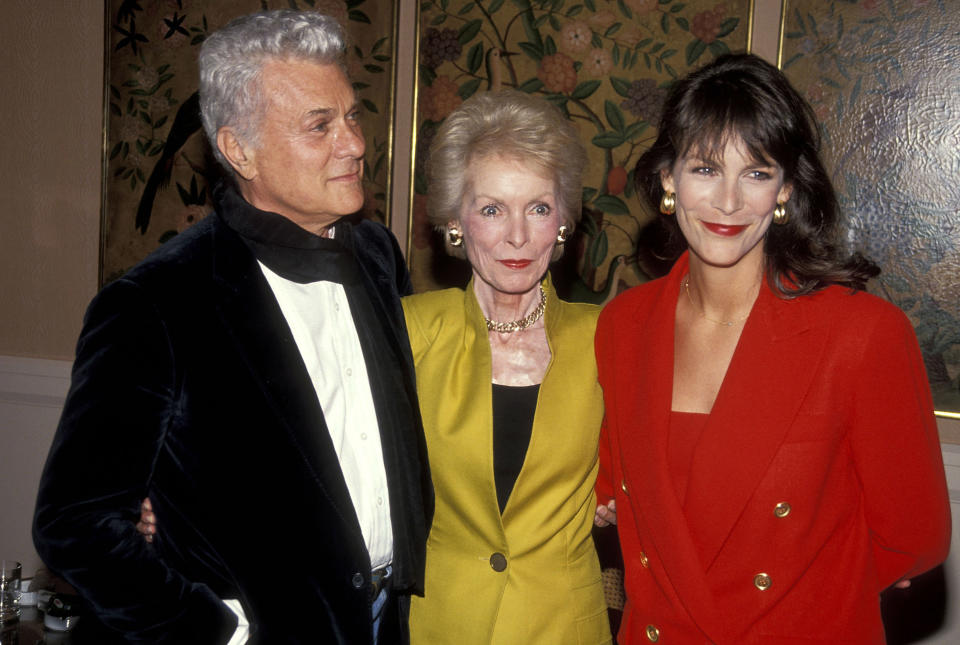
x=62, y=612
x=9, y=591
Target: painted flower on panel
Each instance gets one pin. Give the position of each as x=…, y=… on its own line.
x=438, y=46
x=644, y=100
x=706, y=25
x=440, y=99
x=557, y=74
x=602, y=20
x=598, y=62
x=575, y=37
x=629, y=35
x=641, y=7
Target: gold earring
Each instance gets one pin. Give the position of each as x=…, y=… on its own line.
x=780, y=214
x=562, y=234
x=668, y=204
x=454, y=236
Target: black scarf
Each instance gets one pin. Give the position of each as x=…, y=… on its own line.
x=284, y=247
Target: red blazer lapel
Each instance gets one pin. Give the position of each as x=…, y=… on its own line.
x=773, y=366
x=646, y=390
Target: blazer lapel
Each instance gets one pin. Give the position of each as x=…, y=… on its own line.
x=647, y=391
x=761, y=393
x=254, y=322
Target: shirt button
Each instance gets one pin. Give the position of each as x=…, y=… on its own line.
x=644, y=560
x=357, y=580
x=498, y=562
x=653, y=634
x=336, y=306
x=782, y=509
x=349, y=372
x=363, y=435
x=380, y=501
x=762, y=581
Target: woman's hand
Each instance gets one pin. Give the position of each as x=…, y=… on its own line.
x=606, y=515
x=147, y=525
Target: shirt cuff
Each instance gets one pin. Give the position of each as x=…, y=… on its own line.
x=243, y=627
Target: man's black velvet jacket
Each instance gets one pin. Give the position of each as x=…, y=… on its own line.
x=188, y=388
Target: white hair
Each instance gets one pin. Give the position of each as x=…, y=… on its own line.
x=231, y=60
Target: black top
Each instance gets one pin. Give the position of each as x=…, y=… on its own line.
x=513, y=410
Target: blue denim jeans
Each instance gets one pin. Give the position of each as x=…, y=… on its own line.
x=378, y=605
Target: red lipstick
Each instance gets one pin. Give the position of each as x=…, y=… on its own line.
x=515, y=264
x=727, y=230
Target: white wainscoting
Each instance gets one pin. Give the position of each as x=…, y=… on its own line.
x=32, y=393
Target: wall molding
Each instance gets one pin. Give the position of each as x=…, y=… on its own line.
x=40, y=382
x=35, y=382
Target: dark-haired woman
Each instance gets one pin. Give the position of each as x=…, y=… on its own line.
x=770, y=447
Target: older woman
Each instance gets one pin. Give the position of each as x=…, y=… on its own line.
x=508, y=388
x=769, y=437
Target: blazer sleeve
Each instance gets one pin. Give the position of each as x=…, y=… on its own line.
x=896, y=451
x=604, y=486
x=98, y=470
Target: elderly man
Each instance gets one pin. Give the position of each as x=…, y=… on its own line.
x=253, y=378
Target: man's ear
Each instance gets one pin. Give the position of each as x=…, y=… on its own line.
x=238, y=154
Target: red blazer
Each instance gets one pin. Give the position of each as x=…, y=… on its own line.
x=817, y=483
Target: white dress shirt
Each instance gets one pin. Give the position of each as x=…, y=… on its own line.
x=319, y=317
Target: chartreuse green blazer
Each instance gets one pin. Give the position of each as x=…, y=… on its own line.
x=530, y=575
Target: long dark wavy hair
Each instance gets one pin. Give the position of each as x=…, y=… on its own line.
x=743, y=96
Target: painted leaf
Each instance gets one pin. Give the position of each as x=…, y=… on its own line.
x=585, y=89
x=475, y=58
x=727, y=26
x=611, y=204
x=358, y=16
x=469, y=88
x=620, y=86
x=531, y=86
x=469, y=31
x=607, y=140
x=614, y=115
x=694, y=50
x=599, y=248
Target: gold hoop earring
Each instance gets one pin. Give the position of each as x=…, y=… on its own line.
x=668, y=204
x=454, y=236
x=780, y=214
x=562, y=234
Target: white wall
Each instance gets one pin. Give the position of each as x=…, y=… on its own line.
x=32, y=392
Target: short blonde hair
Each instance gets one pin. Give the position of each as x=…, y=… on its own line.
x=512, y=124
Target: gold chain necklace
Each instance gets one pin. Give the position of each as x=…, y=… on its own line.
x=523, y=323
x=726, y=323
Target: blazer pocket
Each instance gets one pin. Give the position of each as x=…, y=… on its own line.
x=594, y=629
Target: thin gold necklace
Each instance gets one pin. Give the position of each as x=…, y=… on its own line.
x=725, y=323
x=523, y=323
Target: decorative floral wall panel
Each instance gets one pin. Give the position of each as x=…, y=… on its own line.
x=158, y=169
x=606, y=64
x=884, y=79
